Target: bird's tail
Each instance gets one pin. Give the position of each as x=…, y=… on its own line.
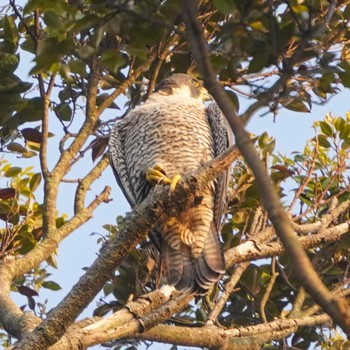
x=194, y=275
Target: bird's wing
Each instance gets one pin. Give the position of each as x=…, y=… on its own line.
x=223, y=139
x=118, y=162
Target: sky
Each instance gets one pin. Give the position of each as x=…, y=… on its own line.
x=290, y=129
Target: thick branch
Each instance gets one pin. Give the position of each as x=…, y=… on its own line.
x=138, y=324
x=251, y=250
x=96, y=329
x=251, y=337
x=11, y=316
x=339, y=310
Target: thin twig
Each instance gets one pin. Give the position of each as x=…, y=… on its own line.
x=229, y=286
x=268, y=290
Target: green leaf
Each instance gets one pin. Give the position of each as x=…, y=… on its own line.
x=258, y=63
x=10, y=32
x=110, y=228
x=16, y=148
x=29, y=154
x=5, y=209
x=325, y=82
x=234, y=98
x=13, y=171
x=51, y=285
x=297, y=105
x=60, y=221
x=326, y=129
x=345, y=144
x=108, y=289
x=31, y=111
x=13, y=85
x=339, y=123
x=224, y=6
x=112, y=60
x=102, y=310
x=344, y=133
x=35, y=182
x=51, y=51
x=201, y=315
x=78, y=67
x=63, y=112
x=269, y=148
x=306, y=199
x=345, y=78
x=8, y=63
x=85, y=51
x=322, y=140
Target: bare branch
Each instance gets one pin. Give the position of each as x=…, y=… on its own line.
x=229, y=286
x=251, y=337
x=268, y=290
x=250, y=250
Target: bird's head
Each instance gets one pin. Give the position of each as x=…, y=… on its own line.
x=183, y=84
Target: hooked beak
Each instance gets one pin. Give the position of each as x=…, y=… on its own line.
x=205, y=96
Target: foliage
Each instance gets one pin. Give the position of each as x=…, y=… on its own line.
x=88, y=57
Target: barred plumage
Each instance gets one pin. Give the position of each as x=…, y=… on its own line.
x=175, y=131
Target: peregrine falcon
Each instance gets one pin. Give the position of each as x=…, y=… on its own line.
x=173, y=133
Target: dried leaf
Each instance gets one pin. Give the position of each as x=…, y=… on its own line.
x=28, y=292
x=7, y=193
x=98, y=148
x=32, y=135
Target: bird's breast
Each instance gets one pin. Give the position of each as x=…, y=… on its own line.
x=177, y=137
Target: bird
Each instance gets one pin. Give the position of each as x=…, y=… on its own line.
x=160, y=141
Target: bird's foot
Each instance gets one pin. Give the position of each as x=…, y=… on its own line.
x=157, y=175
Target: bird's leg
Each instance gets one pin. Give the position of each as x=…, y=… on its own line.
x=157, y=175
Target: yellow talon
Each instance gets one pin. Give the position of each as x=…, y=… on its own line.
x=157, y=175
x=174, y=181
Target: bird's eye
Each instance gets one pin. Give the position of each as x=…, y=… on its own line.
x=195, y=82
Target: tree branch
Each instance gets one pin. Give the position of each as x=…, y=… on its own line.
x=268, y=290
x=229, y=286
x=251, y=337
x=250, y=250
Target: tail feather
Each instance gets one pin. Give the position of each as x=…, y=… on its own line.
x=172, y=262
x=189, y=274
x=178, y=267
x=186, y=282
x=205, y=277
x=212, y=252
